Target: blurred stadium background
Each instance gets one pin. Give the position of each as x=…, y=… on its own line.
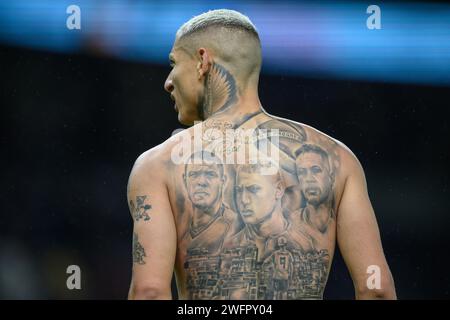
x=79, y=106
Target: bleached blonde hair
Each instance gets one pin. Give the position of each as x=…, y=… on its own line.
x=222, y=18
x=230, y=35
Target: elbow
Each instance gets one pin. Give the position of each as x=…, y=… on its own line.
x=149, y=292
x=386, y=291
x=376, y=294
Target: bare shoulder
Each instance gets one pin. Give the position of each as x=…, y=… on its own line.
x=344, y=161
x=348, y=162
x=148, y=159
x=152, y=164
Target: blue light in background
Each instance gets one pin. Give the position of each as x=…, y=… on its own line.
x=299, y=38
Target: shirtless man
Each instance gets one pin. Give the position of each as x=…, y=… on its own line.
x=216, y=61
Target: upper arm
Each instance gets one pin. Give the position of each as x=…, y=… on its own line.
x=358, y=235
x=154, y=233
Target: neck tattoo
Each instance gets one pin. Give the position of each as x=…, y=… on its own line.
x=221, y=91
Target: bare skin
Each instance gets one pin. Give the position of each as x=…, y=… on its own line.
x=230, y=232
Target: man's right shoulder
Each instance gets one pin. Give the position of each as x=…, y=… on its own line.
x=160, y=158
x=161, y=153
x=150, y=158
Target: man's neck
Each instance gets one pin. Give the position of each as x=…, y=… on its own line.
x=224, y=97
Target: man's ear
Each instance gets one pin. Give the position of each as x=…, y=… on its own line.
x=204, y=63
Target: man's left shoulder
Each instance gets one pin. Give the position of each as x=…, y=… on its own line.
x=311, y=135
x=343, y=157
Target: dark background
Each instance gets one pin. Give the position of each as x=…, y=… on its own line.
x=72, y=126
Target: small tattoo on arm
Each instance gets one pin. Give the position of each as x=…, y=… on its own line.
x=138, y=251
x=140, y=209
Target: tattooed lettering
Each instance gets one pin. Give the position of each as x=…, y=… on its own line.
x=232, y=146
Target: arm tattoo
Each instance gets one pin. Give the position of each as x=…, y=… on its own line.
x=140, y=209
x=138, y=251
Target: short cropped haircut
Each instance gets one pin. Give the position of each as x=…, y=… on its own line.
x=230, y=35
x=221, y=18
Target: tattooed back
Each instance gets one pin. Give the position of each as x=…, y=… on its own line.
x=254, y=202
x=244, y=205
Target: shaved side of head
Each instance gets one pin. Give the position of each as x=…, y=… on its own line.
x=232, y=38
